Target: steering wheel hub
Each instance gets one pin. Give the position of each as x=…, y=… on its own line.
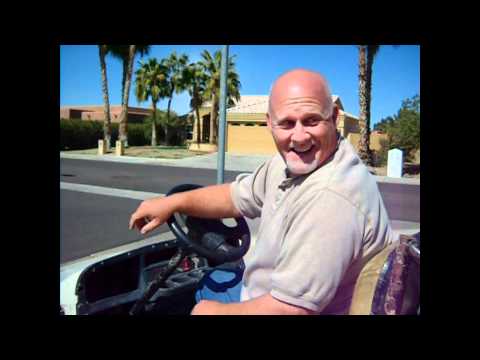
x=211, y=238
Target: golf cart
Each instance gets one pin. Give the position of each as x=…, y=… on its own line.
x=162, y=278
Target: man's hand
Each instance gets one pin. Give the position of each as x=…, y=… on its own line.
x=207, y=307
x=263, y=305
x=152, y=213
x=199, y=203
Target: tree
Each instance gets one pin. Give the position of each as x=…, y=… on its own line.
x=175, y=123
x=126, y=53
x=151, y=82
x=195, y=81
x=121, y=52
x=102, y=51
x=366, y=57
x=175, y=66
x=383, y=124
x=403, y=129
x=412, y=104
x=212, y=66
x=404, y=133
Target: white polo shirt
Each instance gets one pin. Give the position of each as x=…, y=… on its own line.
x=316, y=230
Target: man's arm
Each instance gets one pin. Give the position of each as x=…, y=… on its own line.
x=211, y=202
x=263, y=305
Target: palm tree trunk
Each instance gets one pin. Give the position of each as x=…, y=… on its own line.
x=362, y=92
x=198, y=125
x=106, y=102
x=168, y=117
x=165, y=130
x=124, y=115
x=124, y=76
x=213, y=120
x=154, y=124
x=368, y=100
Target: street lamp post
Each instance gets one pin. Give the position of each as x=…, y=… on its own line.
x=223, y=113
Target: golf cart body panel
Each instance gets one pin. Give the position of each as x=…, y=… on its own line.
x=111, y=282
x=113, y=285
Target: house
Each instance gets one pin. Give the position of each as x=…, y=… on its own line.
x=135, y=114
x=247, y=131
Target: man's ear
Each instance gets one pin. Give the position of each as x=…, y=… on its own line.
x=269, y=121
x=335, y=114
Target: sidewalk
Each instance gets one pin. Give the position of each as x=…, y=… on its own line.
x=243, y=163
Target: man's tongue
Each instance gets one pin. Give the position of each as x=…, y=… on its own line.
x=301, y=151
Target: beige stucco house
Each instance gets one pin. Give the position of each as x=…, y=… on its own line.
x=247, y=131
x=95, y=112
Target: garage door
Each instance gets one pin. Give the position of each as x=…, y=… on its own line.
x=254, y=139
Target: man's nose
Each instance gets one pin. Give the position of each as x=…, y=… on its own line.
x=299, y=134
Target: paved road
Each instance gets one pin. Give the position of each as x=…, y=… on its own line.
x=402, y=201
x=152, y=178
x=93, y=222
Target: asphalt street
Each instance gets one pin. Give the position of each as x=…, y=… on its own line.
x=91, y=223
x=402, y=201
x=94, y=222
x=151, y=178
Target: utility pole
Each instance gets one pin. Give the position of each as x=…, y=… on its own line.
x=223, y=117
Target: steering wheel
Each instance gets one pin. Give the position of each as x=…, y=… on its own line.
x=211, y=238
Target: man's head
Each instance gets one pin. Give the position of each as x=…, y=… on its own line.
x=303, y=120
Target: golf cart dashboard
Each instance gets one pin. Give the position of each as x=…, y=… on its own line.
x=113, y=285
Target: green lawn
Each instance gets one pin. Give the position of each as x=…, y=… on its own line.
x=159, y=152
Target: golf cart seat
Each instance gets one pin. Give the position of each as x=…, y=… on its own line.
x=389, y=284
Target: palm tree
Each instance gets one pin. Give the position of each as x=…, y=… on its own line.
x=195, y=80
x=126, y=53
x=121, y=52
x=151, y=82
x=102, y=51
x=366, y=57
x=176, y=83
x=211, y=66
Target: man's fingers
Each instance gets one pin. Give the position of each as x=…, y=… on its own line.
x=150, y=226
x=133, y=218
x=137, y=222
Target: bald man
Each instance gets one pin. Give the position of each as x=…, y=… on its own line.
x=322, y=216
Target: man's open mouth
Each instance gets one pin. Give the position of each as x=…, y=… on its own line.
x=303, y=152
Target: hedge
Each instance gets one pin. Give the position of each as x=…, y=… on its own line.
x=82, y=134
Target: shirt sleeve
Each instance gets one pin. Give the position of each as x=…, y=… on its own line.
x=323, y=237
x=248, y=191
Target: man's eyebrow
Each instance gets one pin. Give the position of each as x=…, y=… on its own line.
x=305, y=116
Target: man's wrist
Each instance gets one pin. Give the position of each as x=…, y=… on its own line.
x=177, y=202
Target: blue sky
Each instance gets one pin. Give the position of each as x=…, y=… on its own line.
x=396, y=73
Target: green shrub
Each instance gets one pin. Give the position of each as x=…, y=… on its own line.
x=381, y=156
x=136, y=135
x=177, y=132
x=81, y=134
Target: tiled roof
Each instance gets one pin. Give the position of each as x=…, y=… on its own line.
x=351, y=115
x=256, y=104
x=96, y=108
x=250, y=104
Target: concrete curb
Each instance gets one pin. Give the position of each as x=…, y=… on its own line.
x=407, y=181
x=209, y=161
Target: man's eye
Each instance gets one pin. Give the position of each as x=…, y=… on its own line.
x=311, y=122
x=286, y=124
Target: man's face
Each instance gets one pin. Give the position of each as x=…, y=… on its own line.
x=303, y=136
